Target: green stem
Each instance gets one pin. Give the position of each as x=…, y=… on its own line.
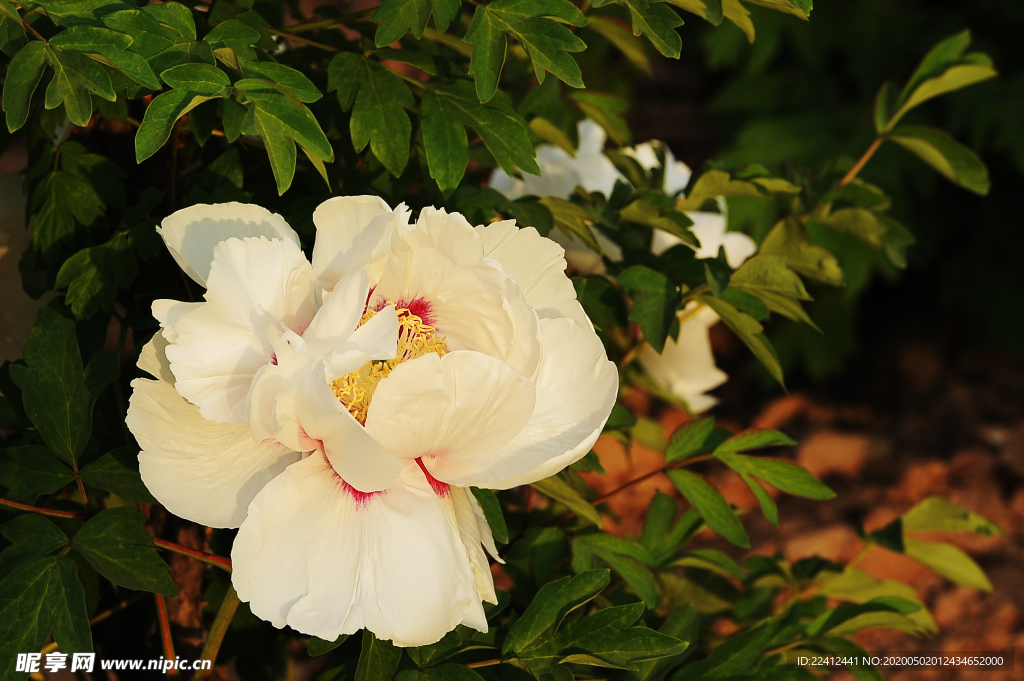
x=165, y=632
x=485, y=663
x=300, y=39
x=208, y=558
x=859, y=165
x=645, y=476
x=42, y=511
x=217, y=630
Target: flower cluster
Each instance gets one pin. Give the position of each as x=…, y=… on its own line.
x=686, y=367
x=338, y=410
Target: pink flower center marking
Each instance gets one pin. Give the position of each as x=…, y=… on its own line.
x=441, y=489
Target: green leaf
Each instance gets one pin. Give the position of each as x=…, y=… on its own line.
x=7, y=10
x=502, y=130
x=788, y=239
x=606, y=639
x=377, y=97
x=657, y=21
x=936, y=514
x=75, y=79
x=445, y=141
x=558, y=490
x=849, y=650
x=948, y=561
x=116, y=543
x=232, y=43
x=281, y=76
x=378, y=660
x=30, y=471
x=398, y=16
x=644, y=212
x=732, y=658
x=318, y=646
x=282, y=121
x=754, y=439
x=75, y=12
x=764, y=500
x=159, y=120
x=548, y=43
x=885, y=105
x=280, y=149
x=689, y=439
x=573, y=219
x=620, y=36
x=53, y=385
x=23, y=77
x=831, y=619
x=552, y=603
x=109, y=48
x=944, y=69
x=491, y=507
x=749, y=331
x=782, y=475
x=636, y=575
x=164, y=35
x=655, y=300
x=607, y=110
x=117, y=471
x=680, y=624
x=954, y=161
x=769, y=273
x=60, y=199
x=710, y=559
x=423, y=656
x=797, y=8
x=93, y=274
x=32, y=536
x=711, y=505
x=201, y=79
x=41, y=596
x=859, y=223
x=715, y=183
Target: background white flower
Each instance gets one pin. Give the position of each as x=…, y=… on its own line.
x=686, y=367
x=337, y=410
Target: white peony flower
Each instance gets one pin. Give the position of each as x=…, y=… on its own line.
x=686, y=368
x=336, y=411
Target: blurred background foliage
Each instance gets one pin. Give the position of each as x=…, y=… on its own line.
x=803, y=93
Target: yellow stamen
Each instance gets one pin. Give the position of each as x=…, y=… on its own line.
x=415, y=339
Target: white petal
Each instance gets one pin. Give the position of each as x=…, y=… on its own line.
x=191, y=233
x=438, y=263
x=465, y=405
x=359, y=459
x=350, y=232
x=476, y=536
x=342, y=308
x=537, y=265
x=315, y=557
x=686, y=368
x=153, y=359
x=500, y=181
x=709, y=228
x=677, y=174
x=561, y=173
x=255, y=285
x=738, y=247
x=204, y=471
x=576, y=389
